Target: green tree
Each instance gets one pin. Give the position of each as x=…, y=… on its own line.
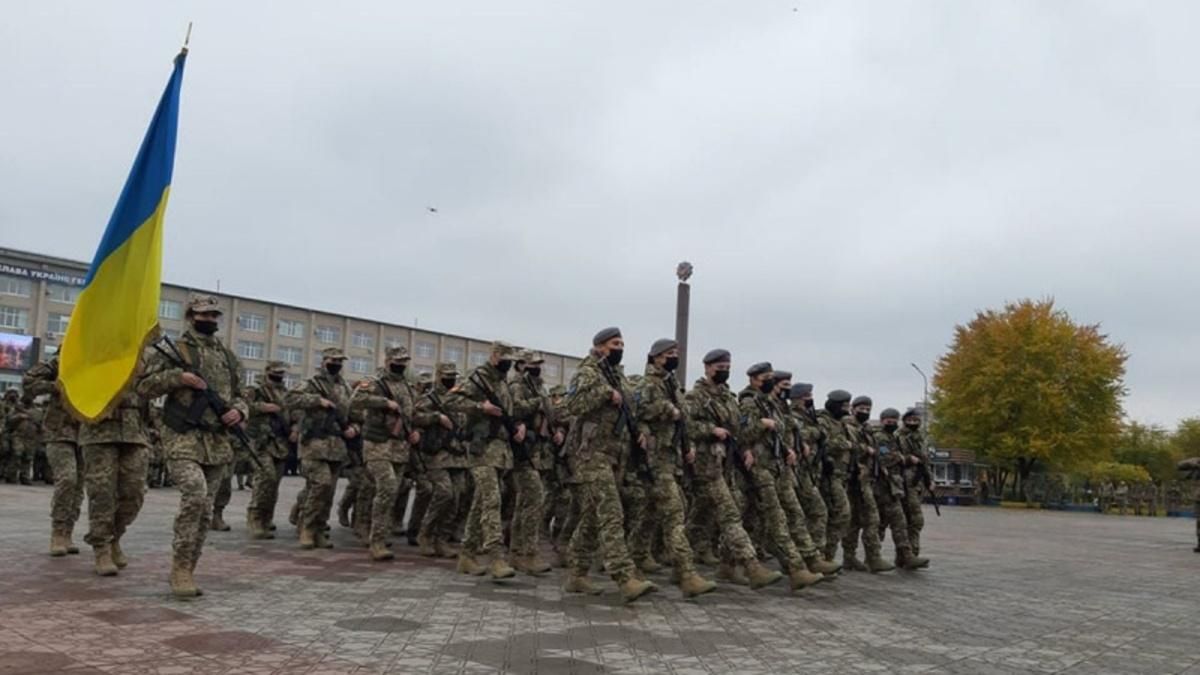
x=1186, y=439
x=1116, y=472
x=1151, y=447
x=1028, y=387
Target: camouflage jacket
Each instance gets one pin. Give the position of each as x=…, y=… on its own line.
x=808, y=433
x=753, y=407
x=444, y=448
x=710, y=405
x=321, y=428
x=912, y=445
x=598, y=441
x=862, y=458
x=531, y=406
x=58, y=425
x=205, y=440
x=269, y=431
x=661, y=417
x=891, y=461
x=487, y=437
x=125, y=423
x=385, y=432
x=838, y=446
x=20, y=424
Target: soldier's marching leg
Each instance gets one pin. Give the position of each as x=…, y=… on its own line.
x=914, y=515
x=221, y=500
x=440, y=509
x=131, y=494
x=797, y=524
x=667, y=501
x=383, y=475
x=527, y=519
x=67, y=467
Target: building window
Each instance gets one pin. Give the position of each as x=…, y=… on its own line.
x=10, y=382
x=56, y=324
x=289, y=355
x=14, y=320
x=392, y=342
x=453, y=354
x=292, y=329
x=251, y=377
x=171, y=333
x=362, y=339
x=424, y=370
x=62, y=293
x=49, y=352
x=550, y=369
x=478, y=359
x=15, y=286
x=170, y=309
x=359, y=364
x=291, y=380
x=330, y=335
x=248, y=349
x=425, y=350
x=252, y=323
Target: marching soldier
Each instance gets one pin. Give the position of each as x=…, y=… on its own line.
x=864, y=513
x=837, y=444
x=62, y=451
x=445, y=464
x=912, y=445
x=889, y=490
x=531, y=407
x=271, y=429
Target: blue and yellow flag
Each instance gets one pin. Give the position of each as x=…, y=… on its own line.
x=116, y=314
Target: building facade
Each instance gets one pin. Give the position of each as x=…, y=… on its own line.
x=38, y=292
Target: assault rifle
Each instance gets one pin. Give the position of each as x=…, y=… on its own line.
x=636, y=453
x=733, y=451
x=204, y=399
x=680, y=438
x=400, y=428
x=520, y=450
x=353, y=445
x=927, y=481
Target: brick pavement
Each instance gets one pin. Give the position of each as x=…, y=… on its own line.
x=1009, y=591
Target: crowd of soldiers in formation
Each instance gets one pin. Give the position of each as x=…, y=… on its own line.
x=624, y=474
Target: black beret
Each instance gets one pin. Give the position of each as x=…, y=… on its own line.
x=605, y=335
x=759, y=368
x=838, y=395
x=860, y=400
x=717, y=356
x=783, y=375
x=912, y=412
x=889, y=414
x=662, y=345
x=801, y=389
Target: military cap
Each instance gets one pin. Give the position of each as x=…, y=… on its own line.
x=717, y=356
x=783, y=375
x=605, y=335
x=662, y=345
x=838, y=395
x=800, y=390
x=447, y=368
x=759, y=368
x=199, y=303
x=397, y=353
x=558, y=390
x=425, y=377
x=334, y=353
x=523, y=355
x=861, y=400
x=277, y=367
x=535, y=358
x=911, y=412
x=889, y=414
x=504, y=350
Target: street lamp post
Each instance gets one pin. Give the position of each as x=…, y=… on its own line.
x=925, y=398
x=683, y=301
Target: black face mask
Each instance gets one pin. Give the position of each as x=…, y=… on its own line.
x=205, y=327
x=808, y=404
x=862, y=417
x=785, y=394
x=333, y=368
x=397, y=368
x=534, y=372
x=504, y=366
x=614, y=357
x=672, y=363
x=277, y=379
x=721, y=376
x=912, y=426
x=767, y=386
x=449, y=382
x=890, y=427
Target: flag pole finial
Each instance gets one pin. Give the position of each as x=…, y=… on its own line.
x=186, y=39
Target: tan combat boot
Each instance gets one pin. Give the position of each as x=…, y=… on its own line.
x=443, y=550
x=693, y=584
x=730, y=573
x=707, y=558
x=307, y=541
x=759, y=576
x=218, y=522
x=580, y=583
x=821, y=566
x=118, y=556
x=802, y=578
x=648, y=565
x=182, y=583
x=877, y=564
x=468, y=565
x=853, y=564
x=426, y=547
x=321, y=538
x=379, y=551
x=634, y=588
x=105, y=566
x=538, y=566
x=499, y=569
x=59, y=541
x=906, y=560
x=72, y=549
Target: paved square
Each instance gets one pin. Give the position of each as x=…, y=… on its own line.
x=1009, y=591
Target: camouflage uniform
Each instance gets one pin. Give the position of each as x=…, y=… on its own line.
x=322, y=445
x=531, y=407
x=63, y=453
x=156, y=463
x=21, y=430
x=557, y=502
x=837, y=445
x=490, y=456
x=198, y=450
x=864, y=512
x=890, y=493
x=270, y=428
x=445, y=464
x=808, y=474
x=911, y=444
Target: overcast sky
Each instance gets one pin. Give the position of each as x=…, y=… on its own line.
x=849, y=180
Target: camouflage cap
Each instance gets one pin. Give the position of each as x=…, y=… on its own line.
x=558, y=390
x=523, y=355
x=605, y=334
x=504, y=350
x=861, y=400
x=425, y=377
x=782, y=375
x=717, y=356
x=335, y=353
x=889, y=414
x=277, y=367
x=447, y=368
x=662, y=345
x=397, y=353
x=535, y=358
x=759, y=368
x=199, y=303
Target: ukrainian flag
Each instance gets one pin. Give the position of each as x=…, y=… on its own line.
x=116, y=314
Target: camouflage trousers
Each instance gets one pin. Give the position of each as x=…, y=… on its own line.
x=814, y=509
x=19, y=464
x=838, y=505
x=115, y=477
x=600, y=526
x=914, y=515
x=639, y=517
x=446, y=487
x=527, y=511
x=358, y=498
x=264, y=494
x=864, y=522
x=483, y=535
x=224, y=489
x=714, y=507
x=385, y=476
x=793, y=510
x=891, y=517
x=66, y=463
x=320, y=482
x=198, y=486
x=570, y=518
x=666, y=503
x=776, y=536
